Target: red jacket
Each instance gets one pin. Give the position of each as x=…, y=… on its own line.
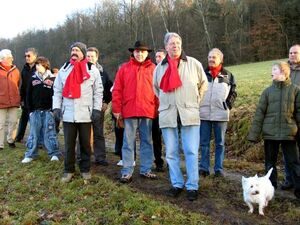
x=133, y=94
x=9, y=87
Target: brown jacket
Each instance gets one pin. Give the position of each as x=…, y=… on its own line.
x=9, y=87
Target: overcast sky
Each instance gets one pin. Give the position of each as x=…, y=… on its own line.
x=21, y=15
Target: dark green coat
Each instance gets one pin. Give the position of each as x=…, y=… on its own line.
x=277, y=115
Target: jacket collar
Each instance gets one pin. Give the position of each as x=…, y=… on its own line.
x=182, y=56
x=282, y=83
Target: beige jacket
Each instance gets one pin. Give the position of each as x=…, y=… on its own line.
x=185, y=100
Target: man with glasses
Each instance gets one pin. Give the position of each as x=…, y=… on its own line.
x=27, y=72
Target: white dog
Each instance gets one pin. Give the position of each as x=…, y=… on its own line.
x=258, y=190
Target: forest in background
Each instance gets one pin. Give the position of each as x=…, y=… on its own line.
x=245, y=30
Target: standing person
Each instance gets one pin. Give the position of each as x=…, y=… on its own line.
x=78, y=100
x=39, y=104
x=98, y=126
x=26, y=73
x=180, y=84
x=214, y=111
x=9, y=97
x=160, y=54
x=294, y=61
x=135, y=102
x=277, y=118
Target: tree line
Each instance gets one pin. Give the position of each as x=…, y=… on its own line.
x=245, y=30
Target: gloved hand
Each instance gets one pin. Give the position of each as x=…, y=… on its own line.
x=96, y=115
x=57, y=114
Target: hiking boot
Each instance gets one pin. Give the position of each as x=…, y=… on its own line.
x=149, y=175
x=11, y=145
x=67, y=177
x=192, y=195
x=203, y=173
x=126, y=178
x=219, y=174
x=86, y=176
x=286, y=185
x=101, y=163
x=27, y=160
x=174, y=192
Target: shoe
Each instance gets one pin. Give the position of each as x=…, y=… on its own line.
x=18, y=140
x=101, y=163
x=297, y=193
x=86, y=176
x=219, y=174
x=1, y=148
x=54, y=158
x=174, y=192
x=149, y=175
x=159, y=169
x=11, y=145
x=120, y=163
x=27, y=160
x=67, y=177
x=286, y=185
x=192, y=195
x=126, y=178
x=203, y=173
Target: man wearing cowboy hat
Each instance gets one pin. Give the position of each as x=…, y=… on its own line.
x=133, y=100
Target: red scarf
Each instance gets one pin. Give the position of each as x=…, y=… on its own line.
x=214, y=71
x=7, y=68
x=171, y=79
x=78, y=74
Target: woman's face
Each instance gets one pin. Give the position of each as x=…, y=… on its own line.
x=40, y=68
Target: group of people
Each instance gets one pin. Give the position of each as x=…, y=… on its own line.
x=174, y=98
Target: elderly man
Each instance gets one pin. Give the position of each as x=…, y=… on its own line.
x=78, y=100
x=135, y=102
x=294, y=60
x=26, y=74
x=214, y=112
x=180, y=84
x=9, y=97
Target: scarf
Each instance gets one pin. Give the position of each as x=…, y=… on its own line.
x=7, y=68
x=171, y=79
x=214, y=71
x=78, y=74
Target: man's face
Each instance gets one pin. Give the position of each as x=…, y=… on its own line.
x=173, y=47
x=277, y=73
x=76, y=54
x=294, y=55
x=30, y=57
x=92, y=57
x=159, y=56
x=214, y=59
x=140, y=55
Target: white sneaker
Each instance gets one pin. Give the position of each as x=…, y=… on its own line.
x=54, y=158
x=27, y=160
x=120, y=163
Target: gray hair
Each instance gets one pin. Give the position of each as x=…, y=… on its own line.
x=33, y=50
x=4, y=53
x=219, y=52
x=170, y=35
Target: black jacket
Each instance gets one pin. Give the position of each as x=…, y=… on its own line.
x=107, y=84
x=26, y=74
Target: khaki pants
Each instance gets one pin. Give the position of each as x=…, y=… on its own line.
x=11, y=115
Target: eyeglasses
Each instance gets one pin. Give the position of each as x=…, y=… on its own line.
x=27, y=56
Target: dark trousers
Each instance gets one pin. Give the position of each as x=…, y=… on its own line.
x=22, y=124
x=157, y=144
x=291, y=155
x=71, y=130
x=99, y=140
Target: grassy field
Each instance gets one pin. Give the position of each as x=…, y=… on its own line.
x=33, y=194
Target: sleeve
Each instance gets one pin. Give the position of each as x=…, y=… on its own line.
x=258, y=120
x=203, y=83
x=97, y=89
x=29, y=104
x=232, y=93
x=117, y=92
x=57, y=92
x=155, y=82
x=297, y=108
x=107, y=96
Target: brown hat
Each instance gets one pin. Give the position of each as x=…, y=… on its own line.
x=140, y=46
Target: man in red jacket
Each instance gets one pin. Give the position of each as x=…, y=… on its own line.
x=133, y=100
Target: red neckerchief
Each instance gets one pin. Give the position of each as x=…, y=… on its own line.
x=78, y=74
x=214, y=71
x=171, y=79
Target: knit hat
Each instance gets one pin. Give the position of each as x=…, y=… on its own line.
x=81, y=46
x=5, y=53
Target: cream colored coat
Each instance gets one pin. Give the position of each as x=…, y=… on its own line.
x=186, y=99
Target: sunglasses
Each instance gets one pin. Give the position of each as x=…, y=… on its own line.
x=27, y=56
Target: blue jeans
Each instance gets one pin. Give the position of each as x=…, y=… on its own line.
x=190, y=144
x=219, y=129
x=42, y=124
x=146, y=149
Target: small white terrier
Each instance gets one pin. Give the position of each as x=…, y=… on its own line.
x=258, y=190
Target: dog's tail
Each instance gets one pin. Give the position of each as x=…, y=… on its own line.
x=269, y=173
